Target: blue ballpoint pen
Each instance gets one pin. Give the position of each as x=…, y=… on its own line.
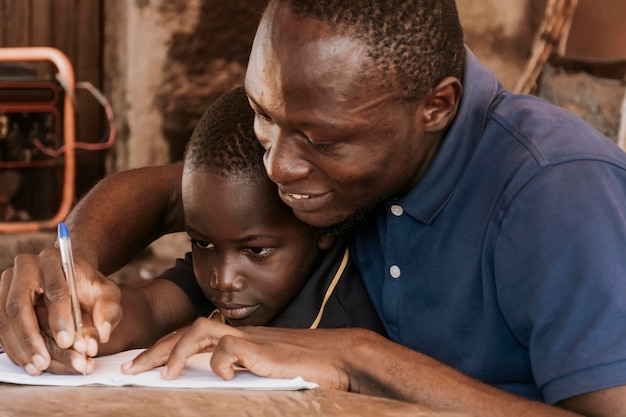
x=67, y=259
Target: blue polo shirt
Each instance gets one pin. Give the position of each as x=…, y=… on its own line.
x=507, y=261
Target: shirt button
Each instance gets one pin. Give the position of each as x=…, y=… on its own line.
x=397, y=210
x=394, y=271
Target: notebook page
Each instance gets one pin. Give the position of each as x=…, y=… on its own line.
x=196, y=374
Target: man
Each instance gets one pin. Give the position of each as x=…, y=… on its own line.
x=488, y=226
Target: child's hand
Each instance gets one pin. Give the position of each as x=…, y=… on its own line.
x=324, y=356
x=155, y=356
x=202, y=336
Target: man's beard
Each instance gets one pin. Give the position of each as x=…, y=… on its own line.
x=346, y=225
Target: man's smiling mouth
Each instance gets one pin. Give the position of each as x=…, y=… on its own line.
x=299, y=196
x=305, y=203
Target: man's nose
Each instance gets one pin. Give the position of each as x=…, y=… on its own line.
x=285, y=159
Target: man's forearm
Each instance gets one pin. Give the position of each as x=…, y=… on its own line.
x=380, y=367
x=124, y=213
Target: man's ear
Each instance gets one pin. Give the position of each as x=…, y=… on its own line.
x=325, y=241
x=441, y=104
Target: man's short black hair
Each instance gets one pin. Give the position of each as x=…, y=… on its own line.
x=224, y=140
x=416, y=43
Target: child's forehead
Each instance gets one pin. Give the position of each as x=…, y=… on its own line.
x=208, y=179
x=234, y=213
x=232, y=195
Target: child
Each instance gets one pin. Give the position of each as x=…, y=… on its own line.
x=252, y=260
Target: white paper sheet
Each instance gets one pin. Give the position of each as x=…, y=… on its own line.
x=197, y=374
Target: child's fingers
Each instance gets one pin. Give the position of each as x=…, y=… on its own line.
x=203, y=336
x=153, y=357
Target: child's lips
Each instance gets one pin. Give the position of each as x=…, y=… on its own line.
x=237, y=312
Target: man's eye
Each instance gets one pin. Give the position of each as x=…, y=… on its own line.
x=202, y=244
x=323, y=146
x=318, y=144
x=260, y=251
x=262, y=116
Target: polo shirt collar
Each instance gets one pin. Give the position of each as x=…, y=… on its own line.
x=426, y=200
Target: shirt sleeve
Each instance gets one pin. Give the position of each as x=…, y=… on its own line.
x=182, y=275
x=560, y=268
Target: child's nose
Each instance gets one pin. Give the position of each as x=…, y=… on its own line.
x=228, y=278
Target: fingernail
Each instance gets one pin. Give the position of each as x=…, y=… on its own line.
x=39, y=362
x=164, y=372
x=91, y=366
x=80, y=346
x=64, y=338
x=105, y=329
x=79, y=364
x=126, y=366
x=31, y=370
x=92, y=347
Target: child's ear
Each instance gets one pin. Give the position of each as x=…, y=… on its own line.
x=325, y=241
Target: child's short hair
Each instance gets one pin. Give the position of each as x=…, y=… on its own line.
x=224, y=139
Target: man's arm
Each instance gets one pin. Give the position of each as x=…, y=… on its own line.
x=362, y=361
x=126, y=212
x=112, y=224
x=404, y=374
x=606, y=402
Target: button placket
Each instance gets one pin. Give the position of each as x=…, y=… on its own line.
x=397, y=211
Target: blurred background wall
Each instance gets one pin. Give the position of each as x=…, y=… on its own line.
x=160, y=63
x=165, y=60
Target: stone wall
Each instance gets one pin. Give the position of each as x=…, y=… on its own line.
x=165, y=61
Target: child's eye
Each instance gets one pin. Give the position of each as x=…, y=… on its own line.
x=202, y=244
x=260, y=251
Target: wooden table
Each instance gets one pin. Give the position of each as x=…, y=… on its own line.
x=100, y=401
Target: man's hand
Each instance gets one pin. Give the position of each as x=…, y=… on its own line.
x=64, y=361
x=39, y=281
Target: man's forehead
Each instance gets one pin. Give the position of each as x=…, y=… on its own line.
x=279, y=25
x=303, y=52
